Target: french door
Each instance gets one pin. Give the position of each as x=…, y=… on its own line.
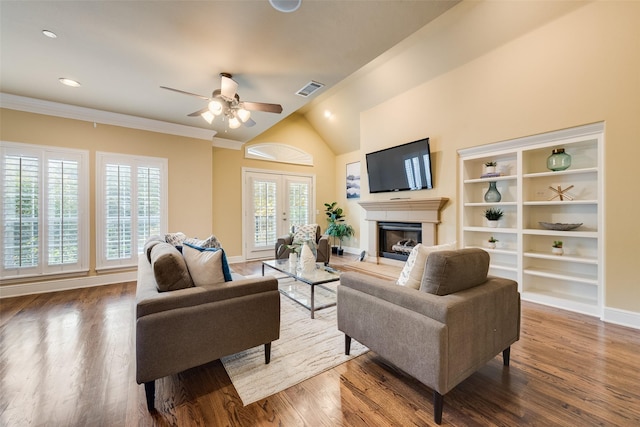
x=274, y=203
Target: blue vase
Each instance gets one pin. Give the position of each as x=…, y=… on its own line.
x=492, y=195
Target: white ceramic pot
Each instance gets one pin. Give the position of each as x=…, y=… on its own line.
x=491, y=245
x=490, y=169
x=492, y=224
x=557, y=251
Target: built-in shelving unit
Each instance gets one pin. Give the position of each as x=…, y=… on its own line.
x=574, y=280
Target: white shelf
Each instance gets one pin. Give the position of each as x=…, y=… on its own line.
x=560, y=173
x=570, y=281
x=562, y=258
x=559, y=275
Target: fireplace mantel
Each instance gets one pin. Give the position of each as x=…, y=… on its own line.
x=423, y=211
x=411, y=210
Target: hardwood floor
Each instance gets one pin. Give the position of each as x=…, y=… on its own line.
x=67, y=359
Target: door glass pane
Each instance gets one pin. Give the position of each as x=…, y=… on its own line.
x=298, y=203
x=265, y=215
x=118, y=211
x=149, y=202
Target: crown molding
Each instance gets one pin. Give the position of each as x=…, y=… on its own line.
x=227, y=143
x=39, y=106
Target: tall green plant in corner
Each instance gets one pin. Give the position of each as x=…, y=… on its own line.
x=337, y=227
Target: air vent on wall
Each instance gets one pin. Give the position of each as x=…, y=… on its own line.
x=309, y=88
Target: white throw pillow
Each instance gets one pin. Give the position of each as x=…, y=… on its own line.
x=205, y=267
x=411, y=274
x=305, y=232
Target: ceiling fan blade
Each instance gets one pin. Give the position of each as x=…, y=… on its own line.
x=228, y=87
x=186, y=93
x=250, y=123
x=261, y=106
x=199, y=112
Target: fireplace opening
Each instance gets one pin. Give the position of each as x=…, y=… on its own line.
x=397, y=239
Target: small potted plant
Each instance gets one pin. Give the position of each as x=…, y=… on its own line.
x=492, y=242
x=493, y=215
x=490, y=167
x=556, y=248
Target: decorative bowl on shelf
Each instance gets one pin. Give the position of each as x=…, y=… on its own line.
x=559, y=226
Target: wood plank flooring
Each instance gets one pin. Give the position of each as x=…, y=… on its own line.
x=67, y=359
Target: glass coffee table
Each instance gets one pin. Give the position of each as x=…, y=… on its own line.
x=306, y=297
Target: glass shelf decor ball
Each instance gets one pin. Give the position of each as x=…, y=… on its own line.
x=558, y=160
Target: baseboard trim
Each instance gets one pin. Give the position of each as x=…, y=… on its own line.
x=622, y=317
x=45, y=286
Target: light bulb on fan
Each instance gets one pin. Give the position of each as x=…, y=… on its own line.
x=243, y=114
x=208, y=116
x=234, y=123
x=215, y=107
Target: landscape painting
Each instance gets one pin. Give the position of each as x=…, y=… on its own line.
x=353, y=180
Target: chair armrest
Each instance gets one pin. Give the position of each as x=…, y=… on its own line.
x=282, y=252
x=324, y=249
x=149, y=300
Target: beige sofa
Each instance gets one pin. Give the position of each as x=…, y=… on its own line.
x=180, y=329
x=442, y=333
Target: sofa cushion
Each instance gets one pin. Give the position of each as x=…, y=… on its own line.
x=447, y=272
x=206, y=265
x=304, y=232
x=175, y=239
x=411, y=274
x=210, y=242
x=150, y=243
x=169, y=268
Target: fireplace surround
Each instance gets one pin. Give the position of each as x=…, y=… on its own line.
x=425, y=212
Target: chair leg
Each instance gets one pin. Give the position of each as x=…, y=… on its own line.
x=506, y=355
x=150, y=392
x=267, y=353
x=438, y=401
x=347, y=344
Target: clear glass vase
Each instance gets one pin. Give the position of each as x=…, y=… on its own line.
x=558, y=160
x=492, y=195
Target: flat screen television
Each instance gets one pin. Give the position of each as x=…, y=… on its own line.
x=401, y=168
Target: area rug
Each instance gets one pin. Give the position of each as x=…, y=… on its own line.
x=306, y=348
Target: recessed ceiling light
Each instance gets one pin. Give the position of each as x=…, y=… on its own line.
x=327, y=114
x=69, y=82
x=50, y=34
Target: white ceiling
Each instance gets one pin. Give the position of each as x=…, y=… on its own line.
x=122, y=51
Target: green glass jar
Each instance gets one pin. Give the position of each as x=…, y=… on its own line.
x=558, y=160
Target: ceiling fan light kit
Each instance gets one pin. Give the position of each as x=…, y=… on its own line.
x=286, y=6
x=226, y=102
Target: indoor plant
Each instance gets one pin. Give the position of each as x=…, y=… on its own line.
x=337, y=227
x=492, y=242
x=490, y=167
x=556, y=248
x=493, y=215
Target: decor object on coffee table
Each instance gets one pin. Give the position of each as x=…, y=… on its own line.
x=291, y=242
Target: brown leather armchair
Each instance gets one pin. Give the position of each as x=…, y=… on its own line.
x=322, y=244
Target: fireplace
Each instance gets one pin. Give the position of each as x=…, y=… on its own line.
x=424, y=213
x=397, y=239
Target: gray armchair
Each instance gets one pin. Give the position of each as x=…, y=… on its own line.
x=442, y=333
x=322, y=243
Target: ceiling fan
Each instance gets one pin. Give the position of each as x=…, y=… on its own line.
x=226, y=102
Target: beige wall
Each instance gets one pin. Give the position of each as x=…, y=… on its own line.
x=227, y=177
x=190, y=185
x=580, y=67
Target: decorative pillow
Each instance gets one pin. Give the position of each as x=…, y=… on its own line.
x=169, y=268
x=206, y=265
x=411, y=275
x=210, y=242
x=304, y=232
x=175, y=239
x=447, y=272
x=150, y=243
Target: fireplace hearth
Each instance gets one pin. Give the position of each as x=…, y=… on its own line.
x=397, y=239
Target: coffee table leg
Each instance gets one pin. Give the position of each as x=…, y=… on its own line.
x=263, y=269
x=313, y=288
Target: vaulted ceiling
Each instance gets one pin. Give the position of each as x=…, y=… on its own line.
x=123, y=51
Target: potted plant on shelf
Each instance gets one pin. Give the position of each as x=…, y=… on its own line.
x=556, y=248
x=493, y=215
x=492, y=242
x=490, y=167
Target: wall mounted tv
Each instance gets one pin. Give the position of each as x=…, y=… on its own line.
x=401, y=168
